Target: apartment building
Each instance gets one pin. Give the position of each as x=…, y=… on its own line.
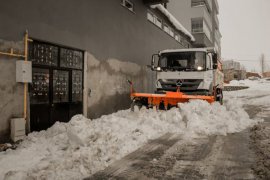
x=201, y=18
x=82, y=53
x=233, y=70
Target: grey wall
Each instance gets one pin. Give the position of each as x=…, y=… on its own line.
x=103, y=27
x=11, y=93
x=119, y=44
x=107, y=81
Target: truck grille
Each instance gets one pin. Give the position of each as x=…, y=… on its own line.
x=187, y=84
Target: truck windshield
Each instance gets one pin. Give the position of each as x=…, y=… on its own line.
x=183, y=61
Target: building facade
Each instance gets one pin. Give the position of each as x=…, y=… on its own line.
x=233, y=71
x=201, y=18
x=82, y=54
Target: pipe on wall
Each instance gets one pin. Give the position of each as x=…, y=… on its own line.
x=25, y=56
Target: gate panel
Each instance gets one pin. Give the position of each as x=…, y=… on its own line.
x=60, y=91
x=57, y=90
x=39, y=100
x=60, y=86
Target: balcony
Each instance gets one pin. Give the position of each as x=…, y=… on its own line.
x=202, y=40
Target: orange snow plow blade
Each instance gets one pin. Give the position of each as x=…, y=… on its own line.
x=169, y=99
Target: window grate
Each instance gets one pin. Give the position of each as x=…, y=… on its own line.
x=128, y=4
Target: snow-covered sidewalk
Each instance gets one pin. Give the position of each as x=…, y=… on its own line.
x=82, y=147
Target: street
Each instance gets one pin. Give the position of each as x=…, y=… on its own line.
x=196, y=141
x=235, y=156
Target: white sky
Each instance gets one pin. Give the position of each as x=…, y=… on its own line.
x=245, y=27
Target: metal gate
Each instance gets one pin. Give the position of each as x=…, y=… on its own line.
x=56, y=93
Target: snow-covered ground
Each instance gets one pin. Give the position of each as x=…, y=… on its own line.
x=82, y=147
x=258, y=89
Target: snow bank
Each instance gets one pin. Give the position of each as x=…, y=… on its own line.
x=82, y=147
x=205, y=119
x=257, y=94
x=173, y=20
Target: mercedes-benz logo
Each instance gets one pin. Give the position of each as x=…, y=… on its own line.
x=179, y=83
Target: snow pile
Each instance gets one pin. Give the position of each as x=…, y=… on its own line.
x=205, y=119
x=82, y=147
x=173, y=20
x=257, y=93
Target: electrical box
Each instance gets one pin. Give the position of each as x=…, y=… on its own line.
x=17, y=129
x=24, y=71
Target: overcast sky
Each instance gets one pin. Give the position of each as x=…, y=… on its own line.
x=245, y=27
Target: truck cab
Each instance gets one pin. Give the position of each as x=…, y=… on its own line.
x=195, y=71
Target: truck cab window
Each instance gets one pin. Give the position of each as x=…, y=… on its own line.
x=163, y=62
x=183, y=61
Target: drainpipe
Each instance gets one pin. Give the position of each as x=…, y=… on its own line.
x=25, y=84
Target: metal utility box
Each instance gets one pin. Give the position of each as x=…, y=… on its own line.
x=17, y=129
x=24, y=71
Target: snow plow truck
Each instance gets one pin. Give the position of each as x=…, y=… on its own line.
x=182, y=75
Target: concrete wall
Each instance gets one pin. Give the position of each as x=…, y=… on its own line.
x=119, y=45
x=107, y=87
x=103, y=27
x=11, y=93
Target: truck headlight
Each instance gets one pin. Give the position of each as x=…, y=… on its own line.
x=199, y=68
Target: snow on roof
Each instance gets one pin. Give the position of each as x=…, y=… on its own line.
x=183, y=50
x=173, y=20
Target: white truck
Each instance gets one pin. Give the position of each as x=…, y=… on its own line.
x=195, y=71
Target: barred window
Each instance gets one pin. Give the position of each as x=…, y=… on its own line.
x=195, y=3
x=128, y=4
x=197, y=26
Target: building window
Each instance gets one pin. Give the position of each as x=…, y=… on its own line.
x=197, y=26
x=177, y=37
x=158, y=22
x=166, y=28
x=129, y=5
x=195, y=3
x=155, y=20
x=200, y=26
x=151, y=17
x=171, y=32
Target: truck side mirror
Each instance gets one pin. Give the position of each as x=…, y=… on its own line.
x=153, y=62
